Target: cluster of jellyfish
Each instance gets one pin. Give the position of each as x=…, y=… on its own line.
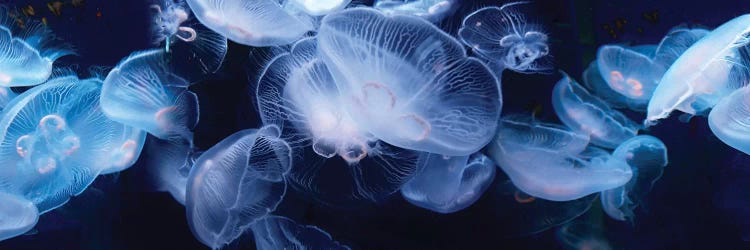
x=424, y=120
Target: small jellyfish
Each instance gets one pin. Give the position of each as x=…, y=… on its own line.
x=676, y=42
x=729, y=120
x=550, y=163
x=317, y=7
x=276, y=232
x=630, y=73
x=235, y=183
x=580, y=235
x=432, y=10
x=255, y=23
x=27, y=52
x=587, y=114
x=17, y=215
x=420, y=92
x=599, y=87
x=449, y=184
x=169, y=163
x=144, y=93
x=705, y=73
x=56, y=140
x=647, y=157
x=504, y=37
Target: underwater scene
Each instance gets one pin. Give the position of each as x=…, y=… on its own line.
x=385, y=124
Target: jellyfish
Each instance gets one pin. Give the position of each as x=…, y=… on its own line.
x=143, y=92
x=317, y=7
x=706, y=72
x=630, y=73
x=235, y=183
x=676, y=42
x=553, y=163
x=506, y=38
x=57, y=140
x=255, y=23
x=577, y=235
x=28, y=54
x=587, y=114
x=432, y=10
x=728, y=120
x=596, y=85
x=17, y=215
x=276, y=232
x=419, y=92
x=449, y=184
x=169, y=163
x=339, y=163
x=647, y=157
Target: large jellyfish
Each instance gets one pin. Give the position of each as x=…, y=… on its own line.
x=449, y=184
x=317, y=7
x=587, y=114
x=276, y=232
x=419, y=90
x=432, y=10
x=143, y=92
x=647, y=157
x=255, y=23
x=730, y=120
x=17, y=215
x=297, y=92
x=709, y=70
x=552, y=163
x=505, y=38
x=235, y=183
x=56, y=140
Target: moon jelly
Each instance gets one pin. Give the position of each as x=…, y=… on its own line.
x=729, y=120
x=276, y=232
x=630, y=73
x=17, y=215
x=169, y=163
x=432, y=10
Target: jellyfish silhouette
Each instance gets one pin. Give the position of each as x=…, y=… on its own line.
x=728, y=120
x=276, y=232
x=432, y=10
x=235, y=183
x=18, y=215
x=506, y=38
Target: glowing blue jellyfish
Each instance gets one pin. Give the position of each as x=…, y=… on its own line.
x=17, y=215
x=552, y=163
x=143, y=92
x=676, y=42
x=255, y=23
x=298, y=93
x=578, y=235
x=647, y=157
x=599, y=87
x=317, y=7
x=504, y=37
x=235, y=183
x=587, y=114
x=419, y=92
x=169, y=163
x=432, y=10
x=729, y=120
x=709, y=70
x=276, y=232
x=56, y=140
x=449, y=184
x=630, y=73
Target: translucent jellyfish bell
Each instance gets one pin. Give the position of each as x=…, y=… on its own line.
x=449, y=184
x=587, y=114
x=143, y=92
x=709, y=70
x=17, y=215
x=419, y=92
x=676, y=42
x=57, y=140
x=276, y=232
x=235, y=183
x=647, y=157
x=432, y=10
x=629, y=73
x=255, y=23
x=548, y=162
x=169, y=163
x=319, y=7
x=506, y=38
x=729, y=120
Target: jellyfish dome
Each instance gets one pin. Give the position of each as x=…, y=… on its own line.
x=708, y=71
x=432, y=10
x=449, y=184
x=506, y=38
x=235, y=183
x=276, y=232
x=17, y=215
x=255, y=23
x=630, y=73
x=27, y=55
x=57, y=140
x=728, y=120
x=419, y=92
x=587, y=114
x=143, y=92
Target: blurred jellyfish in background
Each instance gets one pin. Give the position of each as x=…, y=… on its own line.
x=276, y=232
x=432, y=10
x=708, y=71
x=420, y=92
x=169, y=163
x=28, y=53
x=729, y=120
x=553, y=163
x=647, y=157
x=589, y=115
x=676, y=42
x=17, y=215
x=507, y=39
x=317, y=7
x=449, y=184
x=235, y=183
x=580, y=235
x=255, y=23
